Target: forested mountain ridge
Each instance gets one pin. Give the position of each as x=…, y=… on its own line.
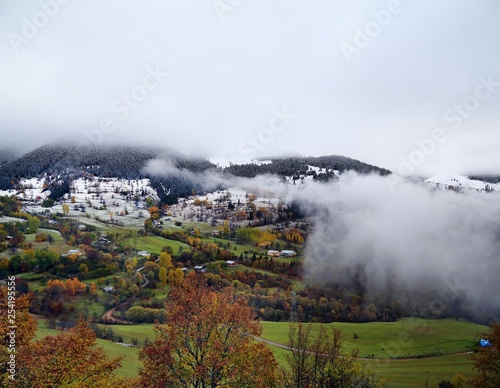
x=119, y=161
x=64, y=162
x=106, y=161
x=59, y=164
x=294, y=166
x=486, y=178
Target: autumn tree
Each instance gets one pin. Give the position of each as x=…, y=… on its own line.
x=163, y=277
x=70, y=287
x=165, y=260
x=487, y=360
x=318, y=361
x=70, y=359
x=93, y=289
x=33, y=224
x=179, y=277
x=294, y=236
x=175, y=277
x=41, y=237
x=24, y=332
x=74, y=285
x=225, y=228
x=207, y=342
x=55, y=288
x=83, y=268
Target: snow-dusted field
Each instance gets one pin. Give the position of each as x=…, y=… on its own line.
x=462, y=183
x=121, y=200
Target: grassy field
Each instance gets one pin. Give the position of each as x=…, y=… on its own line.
x=297, y=284
x=377, y=340
x=409, y=373
x=453, y=335
x=387, y=339
x=130, y=363
x=84, y=304
x=55, y=235
x=418, y=373
x=36, y=280
x=153, y=244
x=140, y=332
x=384, y=340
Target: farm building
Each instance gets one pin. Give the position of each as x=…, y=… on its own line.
x=273, y=253
x=288, y=253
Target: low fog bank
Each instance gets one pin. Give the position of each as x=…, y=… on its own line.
x=212, y=179
x=436, y=252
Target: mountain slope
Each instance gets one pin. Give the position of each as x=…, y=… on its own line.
x=462, y=183
x=59, y=164
x=322, y=167
x=7, y=155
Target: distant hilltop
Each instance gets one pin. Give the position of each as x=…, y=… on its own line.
x=462, y=183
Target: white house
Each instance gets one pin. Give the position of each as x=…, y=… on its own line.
x=231, y=263
x=200, y=268
x=273, y=253
x=288, y=253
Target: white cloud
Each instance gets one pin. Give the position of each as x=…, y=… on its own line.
x=226, y=76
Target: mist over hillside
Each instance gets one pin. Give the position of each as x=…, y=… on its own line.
x=435, y=251
x=7, y=155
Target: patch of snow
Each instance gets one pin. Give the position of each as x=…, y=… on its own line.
x=461, y=183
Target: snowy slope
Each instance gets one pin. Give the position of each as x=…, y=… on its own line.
x=461, y=183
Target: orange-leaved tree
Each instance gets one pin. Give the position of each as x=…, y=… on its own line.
x=17, y=329
x=207, y=342
x=69, y=359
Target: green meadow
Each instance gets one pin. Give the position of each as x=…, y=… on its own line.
x=379, y=341
x=410, y=337
x=153, y=244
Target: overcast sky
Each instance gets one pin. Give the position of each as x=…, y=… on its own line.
x=366, y=79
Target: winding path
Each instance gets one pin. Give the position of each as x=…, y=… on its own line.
x=108, y=319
